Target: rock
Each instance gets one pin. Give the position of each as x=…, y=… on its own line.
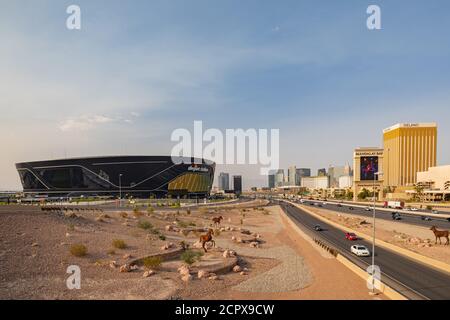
x=245, y=269
x=197, y=245
x=186, y=278
x=35, y=244
x=67, y=235
x=126, y=256
x=243, y=273
x=237, y=268
x=113, y=264
x=226, y=254
x=213, y=276
x=169, y=228
x=184, y=270
x=125, y=268
x=99, y=219
x=247, y=232
x=222, y=229
x=233, y=238
x=239, y=240
x=148, y=273
x=202, y=274
x=254, y=244
x=134, y=267
x=258, y=236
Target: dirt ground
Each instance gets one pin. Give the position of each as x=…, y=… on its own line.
x=35, y=253
x=415, y=238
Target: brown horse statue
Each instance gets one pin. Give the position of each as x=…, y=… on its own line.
x=207, y=238
x=217, y=221
x=440, y=234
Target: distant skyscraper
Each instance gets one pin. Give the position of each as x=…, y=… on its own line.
x=292, y=176
x=224, y=181
x=237, y=184
x=279, y=178
x=322, y=172
x=271, y=180
x=335, y=172
x=408, y=148
x=302, y=172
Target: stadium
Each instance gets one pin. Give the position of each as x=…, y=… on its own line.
x=137, y=176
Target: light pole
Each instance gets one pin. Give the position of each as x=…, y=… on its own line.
x=373, y=231
x=120, y=190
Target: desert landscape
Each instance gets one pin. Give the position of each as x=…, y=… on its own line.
x=147, y=252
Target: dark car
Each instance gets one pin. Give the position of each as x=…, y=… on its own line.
x=318, y=228
x=351, y=208
x=339, y=205
x=425, y=218
x=396, y=216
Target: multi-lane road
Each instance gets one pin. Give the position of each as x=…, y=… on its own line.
x=412, y=279
x=406, y=216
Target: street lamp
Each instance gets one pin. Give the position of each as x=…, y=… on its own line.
x=120, y=190
x=373, y=231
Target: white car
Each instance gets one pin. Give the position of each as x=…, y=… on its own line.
x=360, y=250
x=414, y=209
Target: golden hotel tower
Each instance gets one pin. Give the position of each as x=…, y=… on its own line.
x=408, y=148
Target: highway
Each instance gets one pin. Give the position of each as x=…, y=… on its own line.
x=412, y=279
x=406, y=217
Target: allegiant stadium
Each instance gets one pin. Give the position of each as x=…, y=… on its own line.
x=137, y=176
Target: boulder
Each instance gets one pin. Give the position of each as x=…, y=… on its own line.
x=202, y=274
x=125, y=268
x=184, y=270
x=169, y=228
x=233, y=238
x=126, y=256
x=254, y=244
x=237, y=268
x=213, y=276
x=243, y=273
x=148, y=273
x=113, y=264
x=186, y=278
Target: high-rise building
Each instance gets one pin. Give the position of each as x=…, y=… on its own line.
x=279, y=178
x=335, y=172
x=302, y=172
x=271, y=177
x=408, y=148
x=322, y=172
x=237, y=184
x=224, y=181
x=292, y=176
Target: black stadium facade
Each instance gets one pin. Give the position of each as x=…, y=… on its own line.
x=137, y=176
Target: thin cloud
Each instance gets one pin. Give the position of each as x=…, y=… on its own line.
x=84, y=123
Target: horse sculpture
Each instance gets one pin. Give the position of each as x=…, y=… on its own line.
x=439, y=234
x=217, y=220
x=207, y=238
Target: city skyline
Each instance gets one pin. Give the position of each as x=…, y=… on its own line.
x=136, y=72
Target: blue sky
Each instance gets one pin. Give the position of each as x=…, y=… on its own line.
x=140, y=69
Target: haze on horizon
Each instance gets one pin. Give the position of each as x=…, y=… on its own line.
x=137, y=71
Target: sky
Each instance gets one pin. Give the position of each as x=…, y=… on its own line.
x=138, y=70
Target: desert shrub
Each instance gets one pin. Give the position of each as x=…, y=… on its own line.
x=71, y=227
x=182, y=224
x=190, y=256
x=192, y=224
x=150, y=210
x=78, y=250
x=152, y=262
x=119, y=244
x=162, y=237
x=111, y=252
x=216, y=232
x=144, y=225
x=188, y=211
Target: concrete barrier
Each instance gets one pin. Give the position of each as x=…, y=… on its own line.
x=442, y=266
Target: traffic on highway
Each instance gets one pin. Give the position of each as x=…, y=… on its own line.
x=397, y=271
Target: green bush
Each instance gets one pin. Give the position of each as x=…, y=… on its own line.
x=190, y=256
x=78, y=250
x=162, y=237
x=145, y=225
x=152, y=262
x=119, y=244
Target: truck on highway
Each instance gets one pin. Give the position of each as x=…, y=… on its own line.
x=394, y=204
